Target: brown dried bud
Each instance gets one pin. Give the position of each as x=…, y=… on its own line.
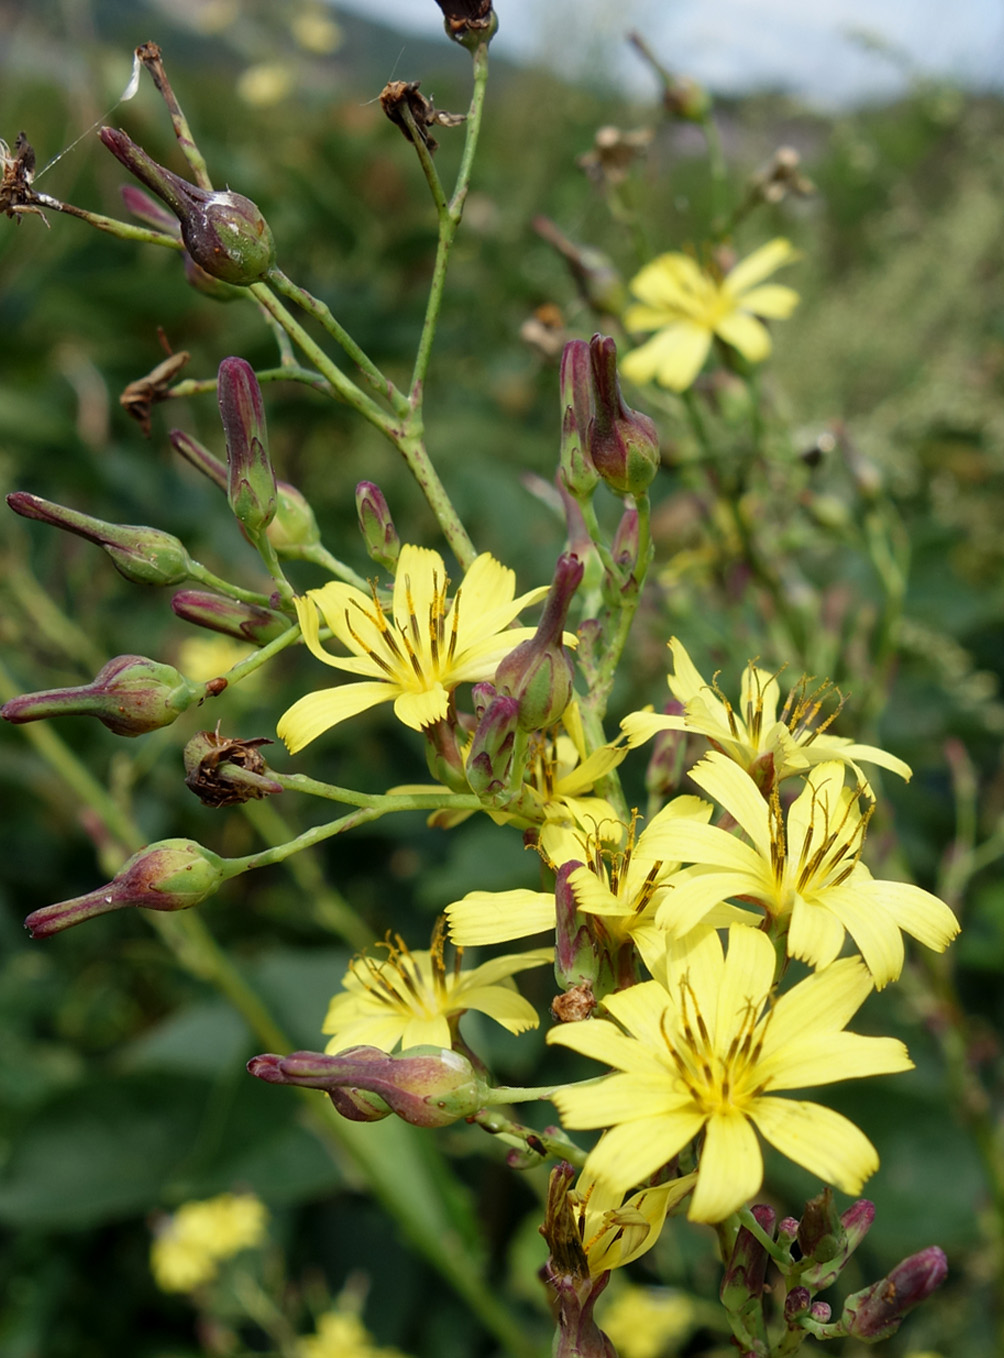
x=224, y=772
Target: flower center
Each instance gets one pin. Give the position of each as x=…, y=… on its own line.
x=417, y=655
x=717, y=1081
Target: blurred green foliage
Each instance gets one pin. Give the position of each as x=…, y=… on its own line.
x=122, y=1076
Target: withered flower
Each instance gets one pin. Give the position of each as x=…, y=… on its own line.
x=140, y=396
x=413, y=113
x=17, y=170
x=226, y=772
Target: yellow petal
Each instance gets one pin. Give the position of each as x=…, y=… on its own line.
x=315, y=713
x=820, y=1140
x=499, y=916
x=773, y=300
x=418, y=709
x=876, y=933
x=921, y=914
x=632, y=1152
x=731, y=1168
x=745, y=333
x=759, y=265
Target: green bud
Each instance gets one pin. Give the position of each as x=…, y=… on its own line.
x=231, y=617
x=224, y=232
x=174, y=874
x=131, y=696
x=539, y=673
x=623, y=443
x=377, y=527
x=146, y=556
x=294, y=526
x=577, y=470
x=472, y=23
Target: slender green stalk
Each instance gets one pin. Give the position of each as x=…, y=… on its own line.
x=124, y=230
x=286, y=372
x=322, y=312
x=247, y=596
x=149, y=54
x=410, y=801
x=320, y=556
x=413, y=450
x=343, y=386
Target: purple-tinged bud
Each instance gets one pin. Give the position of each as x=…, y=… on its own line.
x=539, y=673
x=576, y=954
x=797, y=1304
x=472, y=23
x=623, y=443
x=624, y=548
x=146, y=556
x=131, y=695
x=820, y=1311
x=828, y=1241
x=444, y=756
x=224, y=232
x=359, y=1105
x=490, y=759
x=820, y=1232
x=426, y=1086
x=174, y=874
x=245, y=622
x=482, y=697
x=377, y=526
x=250, y=479
x=744, y=1277
x=877, y=1312
x=199, y=456
x=294, y=526
x=196, y=277
x=576, y=469
x=566, y=1275
x=147, y=210
x=787, y=1230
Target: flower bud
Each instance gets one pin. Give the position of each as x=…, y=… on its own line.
x=174, y=874
x=472, y=23
x=819, y=1231
x=224, y=232
x=245, y=622
x=250, y=479
x=426, y=1086
x=595, y=273
x=796, y=1304
x=490, y=759
x=359, y=1105
x=623, y=443
x=828, y=1241
x=131, y=696
x=624, y=548
x=146, y=556
x=199, y=456
x=294, y=526
x=145, y=209
x=576, y=956
x=377, y=526
x=539, y=673
x=744, y=1278
x=576, y=468
x=877, y=1312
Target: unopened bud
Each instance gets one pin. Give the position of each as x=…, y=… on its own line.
x=576, y=955
x=685, y=99
x=744, y=1277
x=131, y=695
x=147, y=210
x=426, y=1086
x=146, y=556
x=820, y=1232
x=377, y=526
x=539, y=673
x=232, y=617
x=623, y=443
x=490, y=759
x=224, y=232
x=250, y=479
x=577, y=471
x=624, y=548
x=174, y=874
x=294, y=526
x=877, y=1312
x=797, y=1304
x=472, y=23
x=827, y=1240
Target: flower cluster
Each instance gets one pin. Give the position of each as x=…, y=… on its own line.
x=189, y=1246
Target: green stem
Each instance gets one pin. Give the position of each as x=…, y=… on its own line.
x=719, y=176
x=319, y=555
x=320, y=311
x=343, y=386
x=206, y=577
x=412, y=448
x=124, y=230
x=286, y=372
x=382, y=802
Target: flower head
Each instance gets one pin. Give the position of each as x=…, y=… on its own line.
x=189, y=1246
x=416, y=657
x=769, y=747
x=804, y=870
x=688, y=306
x=341, y=1334
x=703, y=1048
x=411, y=1000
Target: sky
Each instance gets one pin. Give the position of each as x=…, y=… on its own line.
x=823, y=50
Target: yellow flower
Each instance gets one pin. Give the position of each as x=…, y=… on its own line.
x=615, y=1230
x=417, y=656
x=645, y=1322
x=703, y=1049
x=687, y=306
x=807, y=874
x=766, y=746
x=189, y=1245
x=410, y=999
x=622, y=884
x=341, y=1334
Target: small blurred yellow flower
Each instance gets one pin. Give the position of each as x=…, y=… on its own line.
x=315, y=31
x=704, y=1048
x=411, y=999
x=417, y=656
x=189, y=1245
x=266, y=83
x=341, y=1334
x=688, y=306
x=647, y=1322
x=206, y=657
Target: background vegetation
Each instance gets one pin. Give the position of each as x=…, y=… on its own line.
x=878, y=502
